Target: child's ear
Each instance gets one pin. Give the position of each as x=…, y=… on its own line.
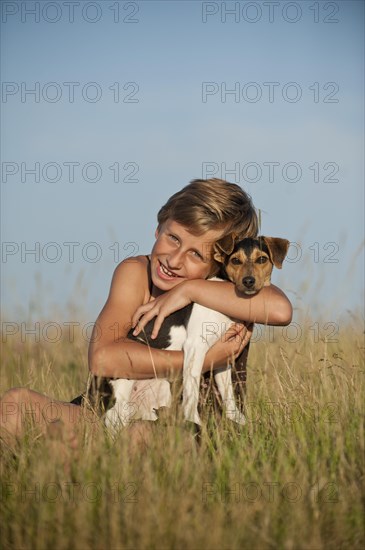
x=157, y=232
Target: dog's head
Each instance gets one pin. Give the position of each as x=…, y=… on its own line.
x=249, y=262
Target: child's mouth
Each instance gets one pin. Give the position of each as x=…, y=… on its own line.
x=165, y=273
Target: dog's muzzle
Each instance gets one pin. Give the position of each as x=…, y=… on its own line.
x=248, y=282
x=247, y=285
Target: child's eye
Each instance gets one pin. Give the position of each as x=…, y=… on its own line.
x=261, y=260
x=173, y=238
x=197, y=255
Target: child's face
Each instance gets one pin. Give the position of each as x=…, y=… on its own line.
x=178, y=255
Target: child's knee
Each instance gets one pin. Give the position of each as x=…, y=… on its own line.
x=10, y=408
x=16, y=396
x=14, y=403
x=140, y=436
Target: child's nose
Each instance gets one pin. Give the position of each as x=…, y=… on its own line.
x=175, y=259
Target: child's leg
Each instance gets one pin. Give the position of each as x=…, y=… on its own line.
x=20, y=406
x=140, y=435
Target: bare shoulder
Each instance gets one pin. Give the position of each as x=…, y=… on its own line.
x=131, y=275
x=136, y=263
x=136, y=266
x=128, y=290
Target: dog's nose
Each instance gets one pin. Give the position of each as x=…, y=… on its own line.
x=248, y=282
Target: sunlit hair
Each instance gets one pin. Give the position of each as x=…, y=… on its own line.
x=212, y=204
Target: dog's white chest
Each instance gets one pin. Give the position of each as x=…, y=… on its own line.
x=206, y=326
x=177, y=337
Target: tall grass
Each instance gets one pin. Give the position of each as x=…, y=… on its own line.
x=292, y=478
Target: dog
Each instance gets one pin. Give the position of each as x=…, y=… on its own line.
x=194, y=329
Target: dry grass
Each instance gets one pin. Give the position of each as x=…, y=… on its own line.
x=293, y=478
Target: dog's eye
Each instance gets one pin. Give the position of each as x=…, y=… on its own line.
x=261, y=260
x=236, y=261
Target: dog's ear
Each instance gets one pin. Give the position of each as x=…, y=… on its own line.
x=278, y=249
x=224, y=247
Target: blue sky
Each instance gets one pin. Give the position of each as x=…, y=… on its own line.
x=298, y=152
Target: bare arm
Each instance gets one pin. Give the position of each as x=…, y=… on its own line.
x=111, y=353
x=129, y=359
x=270, y=306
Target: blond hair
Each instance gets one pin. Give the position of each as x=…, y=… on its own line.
x=212, y=204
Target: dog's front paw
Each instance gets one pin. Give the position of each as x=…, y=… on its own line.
x=117, y=417
x=193, y=417
x=193, y=428
x=236, y=416
x=149, y=415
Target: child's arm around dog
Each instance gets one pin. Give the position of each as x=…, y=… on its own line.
x=270, y=306
x=112, y=354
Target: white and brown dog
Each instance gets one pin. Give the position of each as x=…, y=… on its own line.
x=194, y=329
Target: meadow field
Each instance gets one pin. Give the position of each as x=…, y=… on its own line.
x=292, y=478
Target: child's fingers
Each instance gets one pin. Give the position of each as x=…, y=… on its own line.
x=233, y=331
x=142, y=310
x=148, y=316
x=142, y=322
x=156, y=327
x=246, y=337
x=238, y=336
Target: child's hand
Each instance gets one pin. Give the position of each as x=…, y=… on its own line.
x=229, y=347
x=161, y=307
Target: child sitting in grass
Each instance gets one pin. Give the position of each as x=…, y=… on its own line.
x=203, y=213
